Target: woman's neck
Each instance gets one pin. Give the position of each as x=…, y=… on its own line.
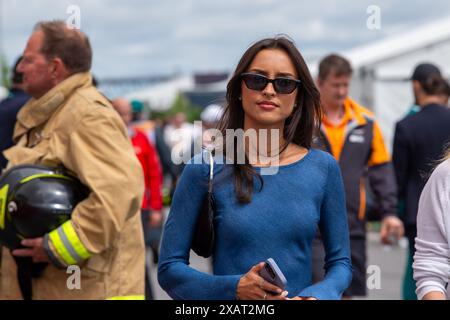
x=264, y=144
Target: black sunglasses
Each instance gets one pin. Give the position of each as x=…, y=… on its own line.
x=258, y=82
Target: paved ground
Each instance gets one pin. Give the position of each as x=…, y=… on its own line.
x=385, y=272
x=391, y=262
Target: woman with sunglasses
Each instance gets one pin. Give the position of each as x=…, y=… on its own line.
x=259, y=216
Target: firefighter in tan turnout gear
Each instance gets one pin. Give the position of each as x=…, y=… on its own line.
x=69, y=123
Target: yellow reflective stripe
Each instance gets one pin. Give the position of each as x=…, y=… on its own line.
x=140, y=297
x=44, y=175
x=72, y=236
x=60, y=248
x=3, y=199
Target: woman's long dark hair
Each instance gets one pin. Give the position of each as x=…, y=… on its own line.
x=299, y=126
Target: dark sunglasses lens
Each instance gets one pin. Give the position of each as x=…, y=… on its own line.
x=254, y=81
x=283, y=85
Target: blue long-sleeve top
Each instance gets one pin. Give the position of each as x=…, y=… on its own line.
x=280, y=223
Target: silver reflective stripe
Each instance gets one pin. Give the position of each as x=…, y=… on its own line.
x=352, y=125
x=50, y=254
x=68, y=245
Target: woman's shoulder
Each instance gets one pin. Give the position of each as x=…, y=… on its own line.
x=322, y=158
x=318, y=165
x=441, y=175
x=320, y=154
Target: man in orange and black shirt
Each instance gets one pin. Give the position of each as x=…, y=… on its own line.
x=351, y=134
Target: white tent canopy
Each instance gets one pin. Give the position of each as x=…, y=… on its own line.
x=382, y=70
x=397, y=47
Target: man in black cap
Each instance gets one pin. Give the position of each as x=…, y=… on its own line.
x=9, y=108
x=419, y=142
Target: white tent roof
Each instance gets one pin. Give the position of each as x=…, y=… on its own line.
x=393, y=59
x=398, y=45
x=402, y=43
x=161, y=96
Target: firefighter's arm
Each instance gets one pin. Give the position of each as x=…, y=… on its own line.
x=102, y=157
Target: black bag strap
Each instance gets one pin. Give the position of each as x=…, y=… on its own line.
x=203, y=237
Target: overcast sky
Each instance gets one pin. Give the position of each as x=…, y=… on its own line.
x=146, y=37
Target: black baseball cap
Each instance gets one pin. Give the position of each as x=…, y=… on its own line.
x=425, y=71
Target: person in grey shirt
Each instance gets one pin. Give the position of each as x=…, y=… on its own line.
x=432, y=258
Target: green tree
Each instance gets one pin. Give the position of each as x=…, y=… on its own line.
x=181, y=104
x=4, y=70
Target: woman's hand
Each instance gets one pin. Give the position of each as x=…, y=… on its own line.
x=252, y=286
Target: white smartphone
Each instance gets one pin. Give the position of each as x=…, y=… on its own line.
x=272, y=273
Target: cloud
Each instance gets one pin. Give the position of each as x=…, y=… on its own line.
x=145, y=37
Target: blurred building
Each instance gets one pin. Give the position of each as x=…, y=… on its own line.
x=119, y=87
x=200, y=89
x=209, y=88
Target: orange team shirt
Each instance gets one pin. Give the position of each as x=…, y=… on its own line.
x=336, y=132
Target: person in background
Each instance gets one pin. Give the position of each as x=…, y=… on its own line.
x=210, y=117
x=409, y=286
x=432, y=257
x=9, y=108
x=154, y=131
x=3, y=92
x=419, y=140
x=152, y=202
x=352, y=135
x=444, y=93
x=179, y=135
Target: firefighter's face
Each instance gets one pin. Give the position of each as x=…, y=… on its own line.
x=38, y=72
x=334, y=89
